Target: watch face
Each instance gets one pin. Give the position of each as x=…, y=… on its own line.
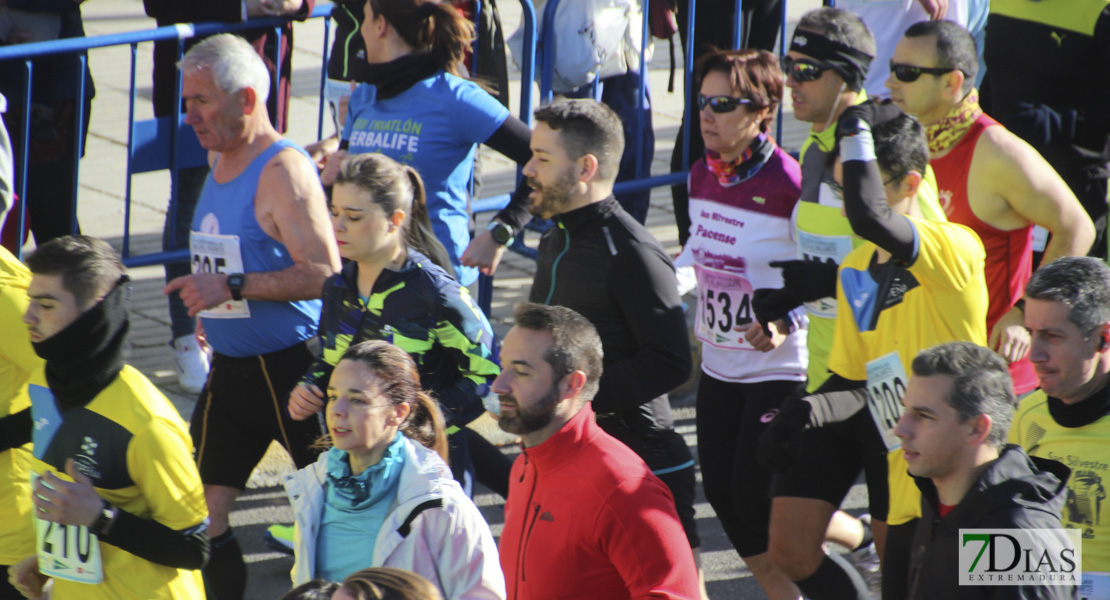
x=502, y=234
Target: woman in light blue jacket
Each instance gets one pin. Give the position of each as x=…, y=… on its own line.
x=382, y=495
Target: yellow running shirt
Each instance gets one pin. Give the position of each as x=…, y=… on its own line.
x=823, y=233
x=17, y=361
x=890, y=312
x=139, y=450
x=1086, y=451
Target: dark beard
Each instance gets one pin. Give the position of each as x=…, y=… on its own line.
x=531, y=420
x=554, y=198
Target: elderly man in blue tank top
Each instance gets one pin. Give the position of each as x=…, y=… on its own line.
x=261, y=246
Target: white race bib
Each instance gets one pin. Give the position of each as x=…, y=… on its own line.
x=1094, y=586
x=828, y=248
x=214, y=253
x=724, y=308
x=886, y=385
x=67, y=551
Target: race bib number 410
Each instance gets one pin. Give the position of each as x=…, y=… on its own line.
x=67, y=552
x=214, y=253
x=724, y=308
x=886, y=386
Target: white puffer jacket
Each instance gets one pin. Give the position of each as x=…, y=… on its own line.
x=431, y=529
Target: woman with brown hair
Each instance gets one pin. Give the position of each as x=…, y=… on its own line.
x=395, y=287
x=742, y=193
x=416, y=107
x=381, y=495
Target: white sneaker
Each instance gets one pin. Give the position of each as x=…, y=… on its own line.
x=866, y=561
x=191, y=363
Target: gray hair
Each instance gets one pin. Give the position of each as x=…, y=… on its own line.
x=233, y=63
x=981, y=384
x=1080, y=282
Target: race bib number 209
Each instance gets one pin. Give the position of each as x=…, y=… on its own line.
x=886, y=386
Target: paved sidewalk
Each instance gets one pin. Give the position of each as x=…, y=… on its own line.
x=101, y=212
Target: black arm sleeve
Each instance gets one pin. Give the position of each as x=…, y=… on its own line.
x=643, y=285
x=15, y=430
x=157, y=543
x=513, y=139
x=836, y=400
x=869, y=214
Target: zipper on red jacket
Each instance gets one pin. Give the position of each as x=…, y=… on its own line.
x=525, y=532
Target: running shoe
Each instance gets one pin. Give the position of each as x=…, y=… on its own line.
x=866, y=561
x=279, y=538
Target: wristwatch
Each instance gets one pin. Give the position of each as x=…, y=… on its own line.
x=104, y=521
x=502, y=233
x=235, y=283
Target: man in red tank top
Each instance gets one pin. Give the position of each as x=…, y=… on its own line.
x=988, y=178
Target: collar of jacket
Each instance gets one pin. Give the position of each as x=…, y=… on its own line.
x=387, y=277
x=585, y=215
x=1014, y=478
x=563, y=448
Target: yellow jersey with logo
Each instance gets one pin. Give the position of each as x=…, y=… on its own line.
x=823, y=233
x=134, y=445
x=1086, y=451
x=17, y=361
x=887, y=313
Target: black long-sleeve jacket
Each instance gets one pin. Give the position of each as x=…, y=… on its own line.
x=600, y=262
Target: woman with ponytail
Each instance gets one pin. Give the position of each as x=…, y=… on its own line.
x=394, y=287
x=381, y=495
x=416, y=107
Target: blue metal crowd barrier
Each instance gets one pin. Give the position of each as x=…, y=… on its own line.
x=148, y=149
x=167, y=143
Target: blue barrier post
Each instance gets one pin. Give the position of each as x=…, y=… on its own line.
x=324, y=77
x=24, y=149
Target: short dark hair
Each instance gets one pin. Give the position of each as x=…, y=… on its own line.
x=1080, y=282
x=587, y=126
x=88, y=266
x=955, y=48
x=840, y=26
x=754, y=74
x=981, y=383
x=901, y=146
x=576, y=345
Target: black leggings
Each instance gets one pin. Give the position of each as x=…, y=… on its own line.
x=730, y=418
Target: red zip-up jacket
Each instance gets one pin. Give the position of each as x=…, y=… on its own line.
x=586, y=519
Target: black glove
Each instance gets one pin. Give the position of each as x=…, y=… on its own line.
x=781, y=440
x=771, y=305
x=871, y=112
x=808, y=280
x=15, y=429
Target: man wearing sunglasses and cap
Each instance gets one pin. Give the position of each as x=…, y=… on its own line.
x=989, y=179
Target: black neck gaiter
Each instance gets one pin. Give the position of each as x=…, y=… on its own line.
x=82, y=359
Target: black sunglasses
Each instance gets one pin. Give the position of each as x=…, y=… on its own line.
x=803, y=70
x=910, y=73
x=720, y=104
